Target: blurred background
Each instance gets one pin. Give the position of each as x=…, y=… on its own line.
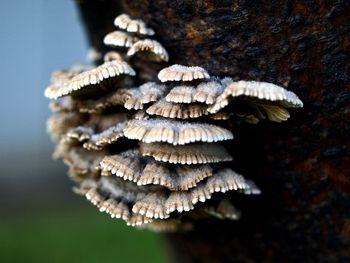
x=41, y=220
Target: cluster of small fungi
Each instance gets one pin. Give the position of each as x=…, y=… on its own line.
x=154, y=155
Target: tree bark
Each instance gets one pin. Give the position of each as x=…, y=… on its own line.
x=302, y=166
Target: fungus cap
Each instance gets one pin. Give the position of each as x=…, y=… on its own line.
x=182, y=73
x=124, y=21
x=154, y=48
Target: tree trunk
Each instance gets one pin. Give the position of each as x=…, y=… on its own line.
x=302, y=166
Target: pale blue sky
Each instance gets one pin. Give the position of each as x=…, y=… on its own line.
x=37, y=37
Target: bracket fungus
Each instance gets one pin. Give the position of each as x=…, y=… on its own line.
x=119, y=39
x=156, y=51
x=182, y=73
x=154, y=154
x=123, y=21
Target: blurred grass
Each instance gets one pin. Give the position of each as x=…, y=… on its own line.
x=76, y=235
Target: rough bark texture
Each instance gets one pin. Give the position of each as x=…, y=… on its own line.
x=302, y=166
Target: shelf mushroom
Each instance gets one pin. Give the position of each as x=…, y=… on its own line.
x=155, y=154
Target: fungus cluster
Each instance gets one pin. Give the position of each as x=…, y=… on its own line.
x=155, y=154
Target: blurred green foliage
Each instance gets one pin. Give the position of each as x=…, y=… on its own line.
x=76, y=235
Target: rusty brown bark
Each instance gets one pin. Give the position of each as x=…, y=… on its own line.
x=302, y=166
